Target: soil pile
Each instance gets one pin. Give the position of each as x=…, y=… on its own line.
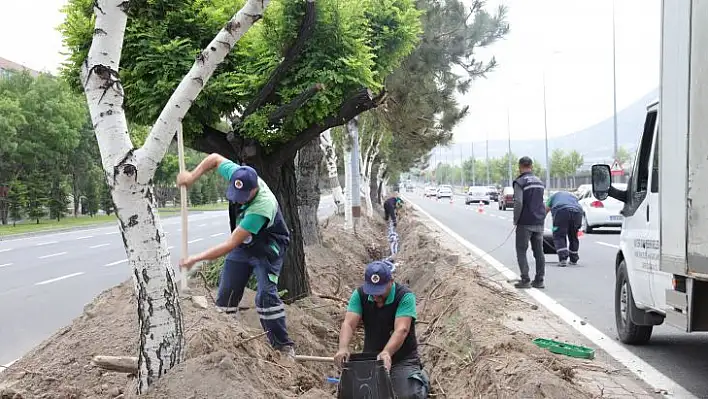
x=466, y=348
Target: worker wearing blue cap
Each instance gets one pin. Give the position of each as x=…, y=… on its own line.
x=388, y=312
x=257, y=245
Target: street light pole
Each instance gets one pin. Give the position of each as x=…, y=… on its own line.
x=545, y=128
x=508, y=130
x=614, y=82
x=474, y=177
x=487, y=161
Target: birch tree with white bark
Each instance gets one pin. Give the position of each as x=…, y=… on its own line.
x=371, y=138
x=330, y=155
x=129, y=172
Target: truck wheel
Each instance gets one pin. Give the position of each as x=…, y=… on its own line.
x=629, y=333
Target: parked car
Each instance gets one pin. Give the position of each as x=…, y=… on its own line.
x=409, y=188
x=478, y=194
x=444, y=191
x=598, y=213
x=430, y=191
x=506, y=198
x=493, y=193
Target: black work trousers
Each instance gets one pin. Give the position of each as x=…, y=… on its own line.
x=566, y=223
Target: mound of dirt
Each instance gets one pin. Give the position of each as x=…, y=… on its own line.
x=467, y=349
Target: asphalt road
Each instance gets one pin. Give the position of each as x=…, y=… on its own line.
x=46, y=280
x=586, y=289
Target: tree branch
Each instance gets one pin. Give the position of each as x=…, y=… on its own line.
x=192, y=84
x=265, y=96
x=362, y=101
x=102, y=86
x=213, y=140
x=287, y=109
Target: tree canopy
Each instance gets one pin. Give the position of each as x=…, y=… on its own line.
x=289, y=72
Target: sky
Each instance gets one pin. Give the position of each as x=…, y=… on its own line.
x=571, y=40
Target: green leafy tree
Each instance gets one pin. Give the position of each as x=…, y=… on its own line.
x=306, y=67
x=17, y=198
x=92, y=191
x=40, y=126
x=58, y=199
x=105, y=198
x=37, y=196
x=624, y=156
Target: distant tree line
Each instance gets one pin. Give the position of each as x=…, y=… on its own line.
x=49, y=155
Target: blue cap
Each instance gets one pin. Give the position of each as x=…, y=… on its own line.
x=243, y=180
x=376, y=278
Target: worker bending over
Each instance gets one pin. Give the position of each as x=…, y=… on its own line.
x=258, y=244
x=391, y=207
x=388, y=312
x=567, y=217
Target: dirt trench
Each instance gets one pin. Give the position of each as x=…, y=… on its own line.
x=466, y=348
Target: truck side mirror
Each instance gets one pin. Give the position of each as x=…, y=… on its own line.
x=601, y=181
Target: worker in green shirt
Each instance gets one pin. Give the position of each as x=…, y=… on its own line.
x=257, y=245
x=388, y=312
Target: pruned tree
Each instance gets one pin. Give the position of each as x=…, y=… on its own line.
x=129, y=170
x=308, y=67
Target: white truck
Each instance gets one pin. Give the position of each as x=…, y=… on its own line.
x=662, y=263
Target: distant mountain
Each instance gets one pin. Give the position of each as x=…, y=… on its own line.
x=595, y=143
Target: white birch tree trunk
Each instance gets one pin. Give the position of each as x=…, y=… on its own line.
x=348, y=217
x=330, y=154
x=380, y=180
x=129, y=173
x=353, y=132
x=366, y=164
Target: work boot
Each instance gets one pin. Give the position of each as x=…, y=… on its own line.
x=573, y=263
x=523, y=284
x=563, y=263
x=537, y=284
x=287, y=353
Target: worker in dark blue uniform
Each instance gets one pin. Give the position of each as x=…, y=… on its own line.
x=391, y=207
x=529, y=219
x=257, y=245
x=567, y=217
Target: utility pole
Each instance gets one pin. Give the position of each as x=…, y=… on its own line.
x=614, y=82
x=474, y=177
x=508, y=130
x=462, y=170
x=487, y=161
x=545, y=128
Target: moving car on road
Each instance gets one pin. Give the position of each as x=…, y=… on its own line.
x=661, y=267
x=444, y=191
x=493, y=193
x=506, y=198
x=598, y=213
x=478, y=194
x=430, y=191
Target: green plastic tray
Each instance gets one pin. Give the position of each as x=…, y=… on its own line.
x=564, y=348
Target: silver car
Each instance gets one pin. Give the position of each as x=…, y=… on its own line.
x=479, y=194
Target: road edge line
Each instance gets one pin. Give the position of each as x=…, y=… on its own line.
x=643, y=370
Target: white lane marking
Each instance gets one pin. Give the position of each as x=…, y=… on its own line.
x=178, y=230
x=170, y=247
x=635, y=364
x=54, y=280
x=6, y=249
x=502, y=217
x=84, y=237
x=52, y=255
x=98, y=246
x=112, y=232
x=607, y=244
x=217, y=235
x=194, y=240
x=202, y=225
x=45, y=243
x=116, y=262
x=6, y=264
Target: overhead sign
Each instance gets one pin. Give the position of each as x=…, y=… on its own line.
x=617, y=169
